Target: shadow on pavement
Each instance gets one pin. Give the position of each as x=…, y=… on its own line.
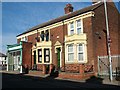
x=95, y=80
x=23, y=81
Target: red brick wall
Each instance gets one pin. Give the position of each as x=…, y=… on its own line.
x=87, y=28
x=99, y=25
x=119, y=34
x=32, y=39
x=61, y=32
x=39, y=67
x=26, y=54
x=72, y=68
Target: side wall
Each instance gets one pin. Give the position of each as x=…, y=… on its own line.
x=100, y=33
x=26, y=54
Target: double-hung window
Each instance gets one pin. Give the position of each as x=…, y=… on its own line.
x=70, y=52
x=46, y=55
x=47, y=35
x=71, y=28
x=78, y=26
x=42, y=36
x=39, y=55
x=24, y=39
x=80, y=52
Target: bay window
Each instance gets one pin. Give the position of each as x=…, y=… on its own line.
x=76, y=53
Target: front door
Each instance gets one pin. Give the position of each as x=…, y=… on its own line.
x=34, y=65
x=34, y=57
x=58, y=58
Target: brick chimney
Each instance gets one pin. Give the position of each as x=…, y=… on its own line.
x=68, y=8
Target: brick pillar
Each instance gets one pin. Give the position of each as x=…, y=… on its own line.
x=50, y=68
x=44, y=69
x=81, y=69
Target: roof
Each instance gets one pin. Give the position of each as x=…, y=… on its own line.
x=2, y=55
x=66, y=16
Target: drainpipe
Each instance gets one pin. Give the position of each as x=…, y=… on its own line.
x=63, y=45
x=7, y=60
x=21, y=71
x=108, y=41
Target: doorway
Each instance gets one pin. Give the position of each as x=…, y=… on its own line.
x=34, y=62
x=58, y=58
x=34, y=57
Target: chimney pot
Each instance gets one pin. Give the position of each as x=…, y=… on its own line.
x=68, y=8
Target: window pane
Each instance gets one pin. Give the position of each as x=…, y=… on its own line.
x=78, y=23
x=78, y=30
x=47, y=35
x=40, y=52
x=70, y=48
x=47, y=52
x=72, y=32
x=25, y=38
x=42, y=35
x=71, y=57
x=80, y=47
x=47, y=58
x=71, y=25
x=40, y=59
x=80, y=56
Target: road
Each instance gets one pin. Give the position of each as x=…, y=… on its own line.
x=22, y=81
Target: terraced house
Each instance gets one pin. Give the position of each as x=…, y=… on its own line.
x=69, y=44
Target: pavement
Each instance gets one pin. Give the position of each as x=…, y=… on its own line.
x=37, y=80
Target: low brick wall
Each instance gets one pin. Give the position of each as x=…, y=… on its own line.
x=77, y=71
x=40, y=67
x=75, y=75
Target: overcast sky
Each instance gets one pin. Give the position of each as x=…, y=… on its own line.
x=18, y=17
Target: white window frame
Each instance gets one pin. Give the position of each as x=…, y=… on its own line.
x=70, y=53
x=39, y=55
x=25, y=38
x=69, y=32
x=81, y=25
x=83, y=51
x=75, y=27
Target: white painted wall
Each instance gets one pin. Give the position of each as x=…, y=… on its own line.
x=2, y=59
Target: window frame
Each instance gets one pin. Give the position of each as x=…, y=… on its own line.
x=79, y=27
x=39, y=55
x=47, y=31
x=70, y=53
x=71, y=28
x=83, y=52
x=46, y=55
x=25, y=39
x=42, y=33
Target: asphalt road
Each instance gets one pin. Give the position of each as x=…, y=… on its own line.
x=22, y=81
